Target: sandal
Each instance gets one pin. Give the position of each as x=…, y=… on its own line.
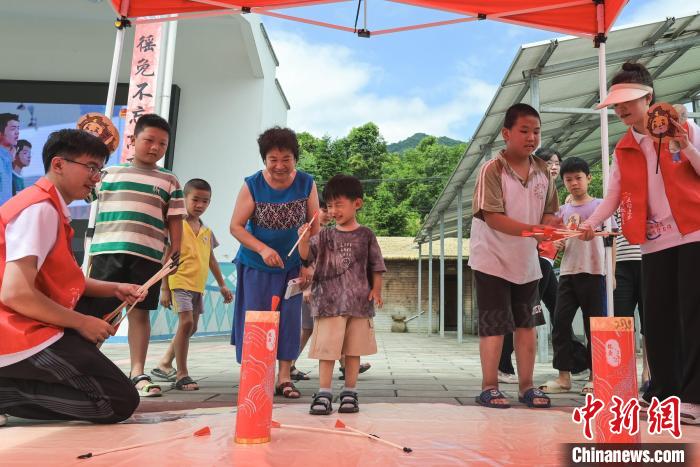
x=322, y=404
x=297, y=375
x=145, y=391
x=287, y=390
x=587, y=388
x=487, y=397
x=529, y=397
x=690, y=413
x=185, y=381
x=554, y=387
x=164, y=375
x=363, y=367
x=348, y=402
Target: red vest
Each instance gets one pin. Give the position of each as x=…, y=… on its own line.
x=681, y=183
x=59, y=277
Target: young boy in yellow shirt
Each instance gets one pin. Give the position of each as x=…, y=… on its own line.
x=185, y=288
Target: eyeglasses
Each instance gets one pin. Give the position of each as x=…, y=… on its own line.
x=94, y=170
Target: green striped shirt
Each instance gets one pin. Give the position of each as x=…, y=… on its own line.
x=134, y=207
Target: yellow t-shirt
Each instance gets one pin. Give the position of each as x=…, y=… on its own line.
x=195, y=251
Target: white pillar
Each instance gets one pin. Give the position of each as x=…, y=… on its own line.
x=460, y=328
x=430, y=282
x=420, y=281
x=169, y=65
x=605, y=164
x=442, y=275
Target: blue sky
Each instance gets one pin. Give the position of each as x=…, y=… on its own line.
x=437, y=80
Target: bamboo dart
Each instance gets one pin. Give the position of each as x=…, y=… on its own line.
x=201, y=432
x=276, y=424
x=164, y=271
x=339, y=424
x=313, y=218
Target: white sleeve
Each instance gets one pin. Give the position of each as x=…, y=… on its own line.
x=611, y=201
x=32, y=233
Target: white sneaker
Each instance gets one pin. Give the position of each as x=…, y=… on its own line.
x=507, y=378
x=3, y=419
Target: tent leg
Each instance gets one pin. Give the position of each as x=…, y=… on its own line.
x=605, y=165
x=168, y=72
x=109, y=111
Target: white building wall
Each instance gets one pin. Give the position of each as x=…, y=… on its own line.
x=223, y=66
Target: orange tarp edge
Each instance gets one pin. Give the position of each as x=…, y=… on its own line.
x=575, y=20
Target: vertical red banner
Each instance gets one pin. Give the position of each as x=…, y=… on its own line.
x=142, y=80
x=256, y=389
x=615, y=380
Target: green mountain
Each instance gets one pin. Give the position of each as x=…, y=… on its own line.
x=412, y=142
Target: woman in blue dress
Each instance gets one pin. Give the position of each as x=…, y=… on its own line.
x=271, y=206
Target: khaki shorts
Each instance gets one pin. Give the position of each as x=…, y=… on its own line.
x=342, y=335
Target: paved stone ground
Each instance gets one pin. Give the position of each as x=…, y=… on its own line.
x=407, y=368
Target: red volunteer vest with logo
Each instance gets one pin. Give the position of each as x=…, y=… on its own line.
x=59, y=278
x=681, y=184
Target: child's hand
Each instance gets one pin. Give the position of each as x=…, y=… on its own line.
x=376, y=295
x=307, y=296
x=304, y=232
x=305, y=277
x=94, y=329
x=166, y=298
x=559, y=244
x=226, y=292
x=129, y=293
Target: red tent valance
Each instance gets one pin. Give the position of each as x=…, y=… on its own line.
x=577, y=17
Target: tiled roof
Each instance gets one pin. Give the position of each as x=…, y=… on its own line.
x=405, y=248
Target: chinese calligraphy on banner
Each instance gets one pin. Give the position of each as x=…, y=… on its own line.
x=142, y=81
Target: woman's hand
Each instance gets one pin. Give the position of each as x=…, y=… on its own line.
x=271, y=258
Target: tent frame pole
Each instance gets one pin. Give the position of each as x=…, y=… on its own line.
x=605, y=151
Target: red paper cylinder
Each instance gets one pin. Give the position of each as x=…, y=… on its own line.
x=256, y=390
x=614, y=373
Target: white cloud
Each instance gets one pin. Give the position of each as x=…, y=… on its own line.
x=659, y=10
x=329, y=89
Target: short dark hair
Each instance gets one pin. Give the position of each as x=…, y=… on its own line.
x=322, y=204
x=5, y=119
x=71, y=144
x=573, y=165
x=546, y=154
x=151, y=120
x=343, y=185
x=23, y=143
x=632, y=72
x=197, y=184
x=516, y=111
x=278, y=138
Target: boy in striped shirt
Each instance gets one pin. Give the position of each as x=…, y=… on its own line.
x=140, y=206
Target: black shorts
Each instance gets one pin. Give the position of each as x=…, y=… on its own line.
x=120, y=267
x=504, y=306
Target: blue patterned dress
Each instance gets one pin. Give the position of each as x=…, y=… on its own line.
x=275, y=221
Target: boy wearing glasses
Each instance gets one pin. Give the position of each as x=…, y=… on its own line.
x=141, y=207
x=50, y=368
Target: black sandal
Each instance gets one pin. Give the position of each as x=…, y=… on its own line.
x=348, y=402
x=324, y=401
x=297, y=375
x=287, y=390
x=185, y=381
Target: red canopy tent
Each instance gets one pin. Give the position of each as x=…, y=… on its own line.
x=587, y=18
